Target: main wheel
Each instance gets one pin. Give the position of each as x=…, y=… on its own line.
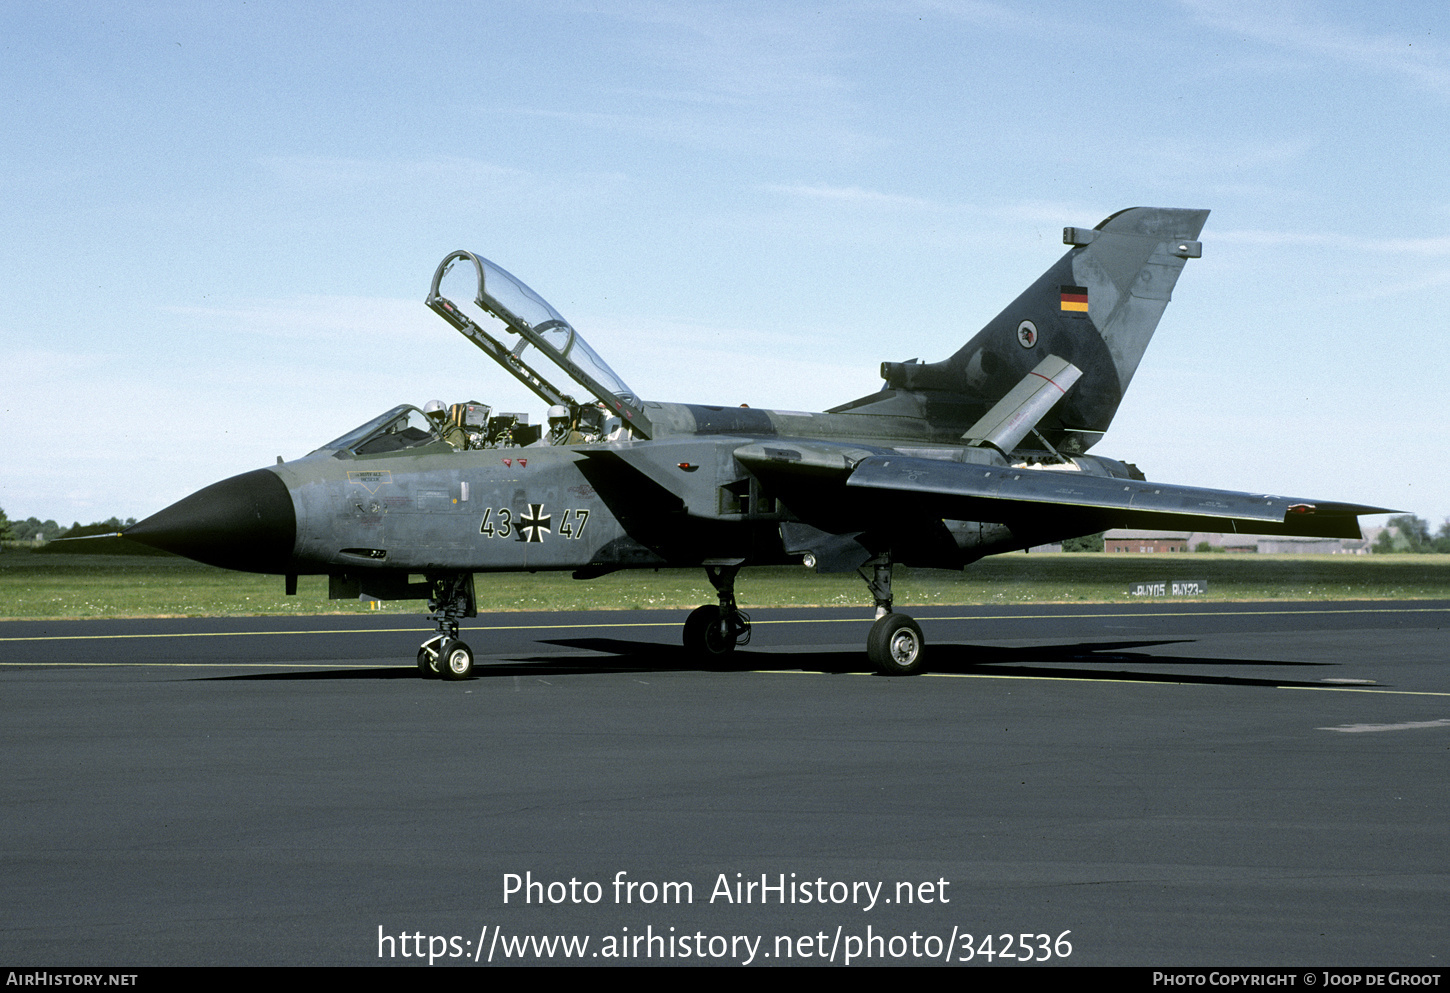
x=456, y=660
x=429, y=659
x=705, y=634
x=895, y=646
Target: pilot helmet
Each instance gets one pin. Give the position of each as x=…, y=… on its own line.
x=558, y=412
x=434, y=409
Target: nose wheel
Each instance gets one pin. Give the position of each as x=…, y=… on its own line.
x=455, y=660
x=430, y=660
x=443, y=656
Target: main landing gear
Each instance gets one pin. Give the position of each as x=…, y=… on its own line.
x=712, y=631
x=894, y=645
x=443, y=655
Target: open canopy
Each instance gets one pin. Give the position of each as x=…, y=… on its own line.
x=467, y=290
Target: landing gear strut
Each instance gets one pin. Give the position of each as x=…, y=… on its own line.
x=713, y=631
x=895, y=645
x=443, y=655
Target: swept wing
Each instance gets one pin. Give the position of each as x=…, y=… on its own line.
x=1043, y=499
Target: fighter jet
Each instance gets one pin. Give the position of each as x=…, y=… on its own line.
x=980, y=453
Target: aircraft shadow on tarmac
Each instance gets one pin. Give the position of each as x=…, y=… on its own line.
x=947, y=659
x=1079, y=660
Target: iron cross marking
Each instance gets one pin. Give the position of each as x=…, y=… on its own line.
x=534, y=525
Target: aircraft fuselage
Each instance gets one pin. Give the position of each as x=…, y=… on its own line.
x=981, y=452
x=678, y=499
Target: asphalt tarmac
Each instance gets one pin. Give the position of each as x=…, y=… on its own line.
x=1164, y=784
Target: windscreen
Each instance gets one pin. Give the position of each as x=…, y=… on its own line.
x=402, y=427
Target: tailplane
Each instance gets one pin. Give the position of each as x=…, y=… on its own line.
x=1096, y=308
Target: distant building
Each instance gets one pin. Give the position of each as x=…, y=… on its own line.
x=1282, y=545
x=1278, y=544
x=1144, y=542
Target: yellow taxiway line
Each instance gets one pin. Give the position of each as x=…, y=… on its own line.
x=670, y=624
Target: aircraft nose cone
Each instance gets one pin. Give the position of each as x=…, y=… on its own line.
x=246, y=522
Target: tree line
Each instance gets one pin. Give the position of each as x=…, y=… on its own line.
x=1408, y=533
x=44, y=534
x=33, y=528
x=1404, y=533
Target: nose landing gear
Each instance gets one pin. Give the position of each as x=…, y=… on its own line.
x=443, y=655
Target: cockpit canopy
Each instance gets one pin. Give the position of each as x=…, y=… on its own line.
x=403, y=427
x=506, y=296
x=472, y=294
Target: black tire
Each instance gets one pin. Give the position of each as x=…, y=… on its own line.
x=703, y=637
x=895, y=646
x=429, y=661
x=455, y=660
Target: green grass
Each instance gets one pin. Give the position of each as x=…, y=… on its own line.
x=63, y=586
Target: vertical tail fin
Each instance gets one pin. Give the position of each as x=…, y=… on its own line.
x=1097, y=307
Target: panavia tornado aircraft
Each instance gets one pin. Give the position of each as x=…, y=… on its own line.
x=980, y=453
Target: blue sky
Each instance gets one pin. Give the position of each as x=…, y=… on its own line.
x=220, y=219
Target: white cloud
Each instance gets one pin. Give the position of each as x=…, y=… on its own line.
x=852, y=194
x=1413, y=54
x=353, y=321
x=451, y=179
x=1325, y=240
x=762, y=54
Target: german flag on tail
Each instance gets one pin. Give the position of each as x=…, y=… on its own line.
x=1074, y=298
